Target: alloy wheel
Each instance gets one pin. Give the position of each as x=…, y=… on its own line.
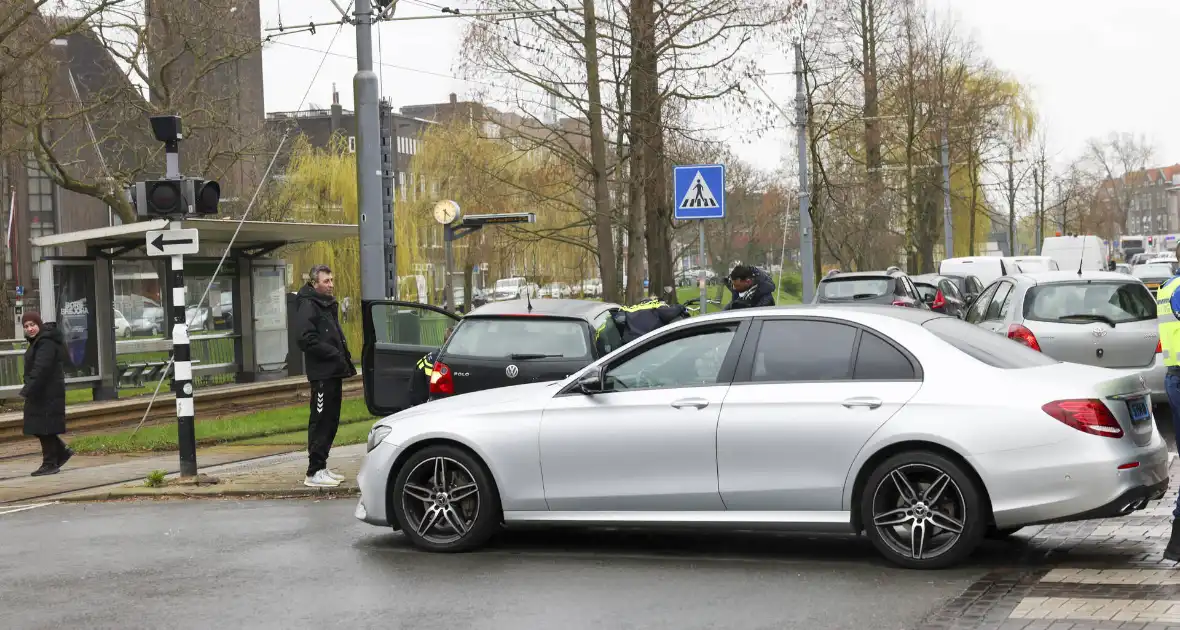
x=919, y=511
x=440, y=499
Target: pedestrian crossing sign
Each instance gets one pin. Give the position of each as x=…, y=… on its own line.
x=699, y=191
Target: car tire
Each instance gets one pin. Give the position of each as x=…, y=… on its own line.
x=889, y=516
x=417, y=496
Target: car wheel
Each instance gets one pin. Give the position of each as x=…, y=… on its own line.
x=922, y=511
x=995, y=533
x=445, y=500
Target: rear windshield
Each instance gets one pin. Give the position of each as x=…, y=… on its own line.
x=1085, y=302
x=1153, y=270
x=855, y=288
x=520, y=337
x=986, y=346
x=926, y=290
x=1033, y=266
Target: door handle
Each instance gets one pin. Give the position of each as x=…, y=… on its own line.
x=696, y=403
x=863, y=401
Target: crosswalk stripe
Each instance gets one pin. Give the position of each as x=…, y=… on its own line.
x=13, y=509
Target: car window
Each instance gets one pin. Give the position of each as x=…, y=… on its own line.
x=979, y=306
x=607, y=337
x=976, y=285
x=681, y=362
x=1007, y=305
x=877, y=360
x=854, y=288
x=926, y=290
x=504, y=337
x=996, y=303
x=986, y=347
x=1083, y=302
x=800, y=350
x=950, y=290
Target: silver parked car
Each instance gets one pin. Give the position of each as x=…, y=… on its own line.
x=1101, y=318
x=836, y=419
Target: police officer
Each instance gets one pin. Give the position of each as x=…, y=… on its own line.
x=637, y=320
x=420, y=379
x=1168, y=313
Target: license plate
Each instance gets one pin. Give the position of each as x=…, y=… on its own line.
x=1140, y=411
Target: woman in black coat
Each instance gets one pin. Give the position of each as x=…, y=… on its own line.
x=45, y=391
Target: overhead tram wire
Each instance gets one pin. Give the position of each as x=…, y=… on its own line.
x=242, y=221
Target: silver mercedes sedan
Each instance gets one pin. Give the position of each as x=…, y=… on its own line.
x=923, y=431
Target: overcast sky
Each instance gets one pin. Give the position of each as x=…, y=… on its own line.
x=1094, y=66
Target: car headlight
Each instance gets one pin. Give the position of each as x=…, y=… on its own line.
x=376, y=434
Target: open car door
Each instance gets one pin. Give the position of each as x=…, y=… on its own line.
x=397, y=335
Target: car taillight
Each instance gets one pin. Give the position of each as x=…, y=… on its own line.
x=1016, y=332
x=1159, y=347
x=900, y=303
x=1088, y=416
x=939, y=300
x=441, y=381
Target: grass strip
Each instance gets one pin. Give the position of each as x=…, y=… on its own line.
x=351, y=433
x=259, y=424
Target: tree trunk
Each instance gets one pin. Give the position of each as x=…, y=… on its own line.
x=602, y=207
x=973, y=177
x=877, y=221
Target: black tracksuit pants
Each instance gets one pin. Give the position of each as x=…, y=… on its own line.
x=323, y=422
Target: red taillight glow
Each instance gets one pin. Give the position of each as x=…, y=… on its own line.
x=900, y=303
x=1129, y=466
x=441, y=381
x=939, y=300
x=1088, y=416
x=1016, y=332
x=1159, y=347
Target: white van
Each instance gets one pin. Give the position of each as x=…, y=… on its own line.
x=1034, y=264
x=1076, y=252
x=986, y=268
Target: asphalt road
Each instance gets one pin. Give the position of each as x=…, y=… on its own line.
x=308, y=564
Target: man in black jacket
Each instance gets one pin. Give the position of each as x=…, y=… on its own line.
x=751, y=288
x=327, y=363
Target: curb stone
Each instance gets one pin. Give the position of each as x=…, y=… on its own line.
x=263, y=493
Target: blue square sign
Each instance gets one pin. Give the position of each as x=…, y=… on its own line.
x=699, y=191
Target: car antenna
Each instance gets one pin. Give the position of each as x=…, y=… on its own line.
x=1083, y=260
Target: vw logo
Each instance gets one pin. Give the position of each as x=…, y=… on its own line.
x=511, y=371
x=1099, y=332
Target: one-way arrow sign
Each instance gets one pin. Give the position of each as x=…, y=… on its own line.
x=172, y=242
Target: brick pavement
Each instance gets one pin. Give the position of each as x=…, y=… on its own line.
x=1106, y=574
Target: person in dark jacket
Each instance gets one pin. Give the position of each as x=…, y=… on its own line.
x=327, y=362
x=639, y=319
x=420, y=380
x=750, y=288
x=45, y=392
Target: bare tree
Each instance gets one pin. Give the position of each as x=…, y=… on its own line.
x=1120, y=159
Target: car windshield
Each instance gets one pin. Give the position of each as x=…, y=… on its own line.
x=854, y=288
x=985, y=346
x=1082, y=302
x=1154, y=270
x=521, y=337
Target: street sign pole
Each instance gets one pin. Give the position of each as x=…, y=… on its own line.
x=701, y=273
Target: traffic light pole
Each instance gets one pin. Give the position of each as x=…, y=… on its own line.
x=182, y=366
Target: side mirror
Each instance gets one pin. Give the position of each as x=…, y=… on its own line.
x=591, y=383
x=927, y=298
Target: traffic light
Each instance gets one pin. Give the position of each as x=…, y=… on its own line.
x=204, y=195
x=175, y=198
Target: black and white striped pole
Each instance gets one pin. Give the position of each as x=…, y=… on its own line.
x=174, y=198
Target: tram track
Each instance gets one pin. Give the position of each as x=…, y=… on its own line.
x=211, y=404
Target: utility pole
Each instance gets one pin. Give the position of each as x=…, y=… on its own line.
x=1038, y=210
x=806, y=255
x=1011, y=201
x=388, y=189
x=947, y=217
x=368, y=159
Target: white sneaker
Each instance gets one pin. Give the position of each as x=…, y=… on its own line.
x=335, y=475
x=320, y=480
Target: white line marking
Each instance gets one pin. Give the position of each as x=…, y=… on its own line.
x=12, y=509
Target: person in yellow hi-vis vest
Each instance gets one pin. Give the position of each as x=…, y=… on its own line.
x=1167, y=308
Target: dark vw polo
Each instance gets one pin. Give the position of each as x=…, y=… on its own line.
x=496, y=345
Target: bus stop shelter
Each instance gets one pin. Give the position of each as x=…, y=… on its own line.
x=114, y=310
